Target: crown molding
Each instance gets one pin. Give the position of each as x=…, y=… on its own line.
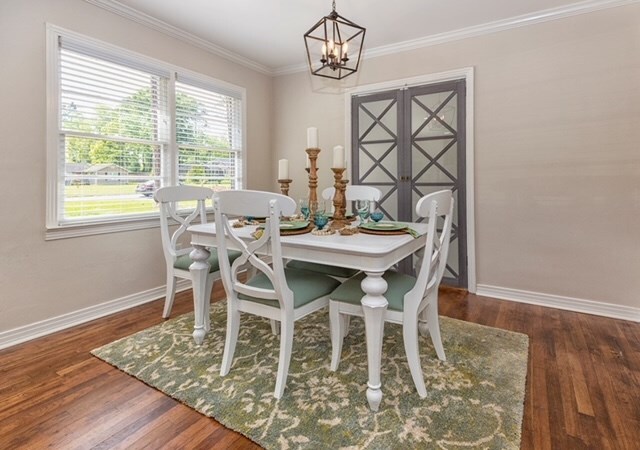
x=144, y=19
x=545, y=15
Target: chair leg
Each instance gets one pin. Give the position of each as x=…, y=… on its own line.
x=433, y=323
x=170, y=295
x=423, y=327
x=286, y=344
x=275, y=327
x=207, y=304
x=423, y=317
x=336, y=325
x=233, y=327
x=347, y=320
x=410, y=337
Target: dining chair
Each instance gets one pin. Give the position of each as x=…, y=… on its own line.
x=355, y=192
x=413, y=302
x=275, y=292
x=352, y=193
x=177, y=258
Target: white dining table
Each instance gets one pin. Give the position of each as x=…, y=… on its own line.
x=373, y=254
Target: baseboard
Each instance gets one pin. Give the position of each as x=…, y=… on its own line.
x=48, y=326
x=560, y=302
x=38, y=329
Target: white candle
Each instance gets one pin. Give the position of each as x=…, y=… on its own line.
x=283, y=169
x=312, y=137
x=338, y=157
x=308, y=162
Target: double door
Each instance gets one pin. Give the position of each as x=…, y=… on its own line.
x=411, y=142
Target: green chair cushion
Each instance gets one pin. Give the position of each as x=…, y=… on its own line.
x=325, y=269
x=183, y=262
x=306, y=286
x=398, y=285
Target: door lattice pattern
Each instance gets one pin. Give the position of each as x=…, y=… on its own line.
x=409, y=143
x=434, y=151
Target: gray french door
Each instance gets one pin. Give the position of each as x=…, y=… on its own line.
x=410, y=142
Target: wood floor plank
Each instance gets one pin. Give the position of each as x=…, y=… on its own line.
x=581, y=391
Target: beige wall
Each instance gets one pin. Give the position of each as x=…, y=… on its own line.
x=557, y=120
x=40, y=279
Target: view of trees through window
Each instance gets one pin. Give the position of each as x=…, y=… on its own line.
x=114, y=126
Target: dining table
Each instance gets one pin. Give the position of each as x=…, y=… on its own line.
x=372, y=254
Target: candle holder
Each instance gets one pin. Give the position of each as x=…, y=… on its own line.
x=339, y=199
x=284, y=186
x=313, y=174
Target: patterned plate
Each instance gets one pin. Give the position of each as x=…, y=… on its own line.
x=383, y=226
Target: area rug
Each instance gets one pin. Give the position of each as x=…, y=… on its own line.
x=475, y=398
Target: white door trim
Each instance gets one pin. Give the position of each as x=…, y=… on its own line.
x=467, y=74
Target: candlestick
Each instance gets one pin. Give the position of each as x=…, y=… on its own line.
x=313, y=174
x=284, y=186
x=344, y=183
x=339, y=200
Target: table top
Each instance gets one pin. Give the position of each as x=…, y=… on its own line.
x=359, y=251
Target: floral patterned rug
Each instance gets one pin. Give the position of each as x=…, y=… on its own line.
x=475, y=399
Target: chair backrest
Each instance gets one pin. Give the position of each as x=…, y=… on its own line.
x=168, y=198
x=434, y=261
x=228, y=204
x=355, y=192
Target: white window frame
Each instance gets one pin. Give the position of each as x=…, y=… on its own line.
x=57, y=230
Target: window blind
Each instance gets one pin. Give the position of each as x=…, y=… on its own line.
x=126, y=126
x=114, y=128
x=209, y=137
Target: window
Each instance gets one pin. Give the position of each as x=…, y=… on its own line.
x=122, y=125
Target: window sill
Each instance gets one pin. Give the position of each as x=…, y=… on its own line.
x=78, y=230
x=90, y=229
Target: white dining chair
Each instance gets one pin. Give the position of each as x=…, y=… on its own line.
x=275, y=292
x=352, y=193
x=413, y=302
x=177, y=258
x=355, y=192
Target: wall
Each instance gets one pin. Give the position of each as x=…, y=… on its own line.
x=43, y=279
x=557, y=115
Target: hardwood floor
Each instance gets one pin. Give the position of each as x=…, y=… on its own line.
x=583, y=384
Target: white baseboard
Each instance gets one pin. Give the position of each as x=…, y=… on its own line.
x=28, y=332
x=560, y=302
x=38, y=329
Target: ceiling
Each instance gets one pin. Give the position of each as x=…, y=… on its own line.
x=268, y=33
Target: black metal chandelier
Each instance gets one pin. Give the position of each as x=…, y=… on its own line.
x=331, y=45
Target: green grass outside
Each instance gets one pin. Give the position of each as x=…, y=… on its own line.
x=95, y=207
x=90, y=190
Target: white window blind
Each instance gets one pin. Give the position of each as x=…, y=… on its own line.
x=209, y=136
x=125, y=127
x=114, y=128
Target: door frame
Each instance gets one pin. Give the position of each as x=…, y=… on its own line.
x=467, y=74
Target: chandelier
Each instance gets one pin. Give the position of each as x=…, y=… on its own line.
x=334, y=46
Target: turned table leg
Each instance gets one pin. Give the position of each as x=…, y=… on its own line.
x=374, y=305
x=199, y=271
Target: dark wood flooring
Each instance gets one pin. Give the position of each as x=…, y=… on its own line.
x=583, y=384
